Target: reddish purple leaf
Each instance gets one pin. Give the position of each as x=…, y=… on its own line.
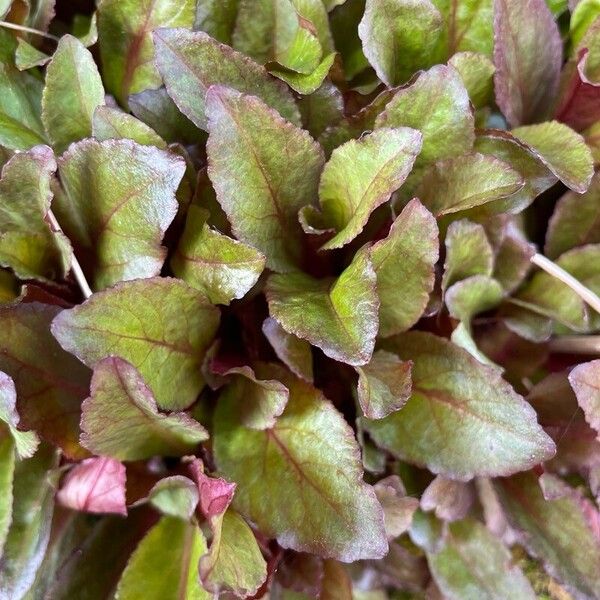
x=215, y=493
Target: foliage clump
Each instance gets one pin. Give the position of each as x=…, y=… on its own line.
x=298, y=299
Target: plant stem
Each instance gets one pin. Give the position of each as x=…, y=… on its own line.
x=581, y=290
x=16, y=27
x=575, y=344
x=78, y=273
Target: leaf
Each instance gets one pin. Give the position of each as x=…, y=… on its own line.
x=399, y=36
x=163, y=566
x=570, y=160
x=309, y=82
x=384, y=385
x=7, y=471
x=398, y=508
x=494, y=431
x=585, y=382
x=120, y=419
x=28, y=56
x=292, y=351
x=26, y=442
x=126, y=48
x=217, y=18
x=437, y=104
x=361, y=175
x=27, y=244
x=161, y=326
x=50, y=383
x=95, y=485
x=472, y=296
x=468, y=252
x=324, y=107
x=260, y=401
x=528, y=58
x=29, y=533
x=157, y=110
x=575, y=221
x=477, y=72
x=337, y=315
x=191, y=62
x=523, y=159
x=117, y=223
x=262, y=174
x=20, y=103
x=112, y=124
x=175, y=496
x=274, y=30
x=467, y=26
x=451, y=500
x=404, y=264
x=557, y=531
x=221, y=267
x=473, y=564
x=215, y=493
x=72, y=92
x=465, y=182
x=234, y=563
x=344, y=29
x=301, y=481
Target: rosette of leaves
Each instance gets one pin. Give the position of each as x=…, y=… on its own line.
x=299, y=299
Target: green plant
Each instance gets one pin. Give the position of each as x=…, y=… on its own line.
x=297, y=298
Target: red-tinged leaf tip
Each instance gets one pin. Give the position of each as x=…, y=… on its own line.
x=216, y=494
x=95, y=485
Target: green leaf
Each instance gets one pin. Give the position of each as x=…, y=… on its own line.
x=301, y=481
x=575, y=221
x=528, y=58
x=559, y=532
x=468, y=252
x=112, y=124
x=337, y=315
x=29, y=533
x=404, y=263
x=361, y=175
x=399, y=37
x=344, y=28
x=120, y=419
x=552, y=298
x=158, y=111
x=473, y=564
x=585, y=381
x=161, y=326
x=191, y=62
x=7, y=470
x=264, y=169
x=125, y=32
x=217, y=18
x=26, y=442
x=27, y=244
x=384, y=385
x=494, y=431
x=472, y=296
x=467, y=26
x=50, y=383
x=292, y=351
x=585, y=13
x=537, y=177
x=221, y=267
x=117, y=223
x=260, y=401
x=163, y=566
x=465, y=182
x=562, y=150
x=437, y=104
x=9, y=287
x=73, y=91
x=234, y=563
x=477, y=72
x=175, y=496
x=274, y=30
x=28, y=56
x=20, y=102
x=305, y=83
x=324, y=107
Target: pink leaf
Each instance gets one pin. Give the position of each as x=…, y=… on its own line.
x=95, y=485
x=215, y=493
